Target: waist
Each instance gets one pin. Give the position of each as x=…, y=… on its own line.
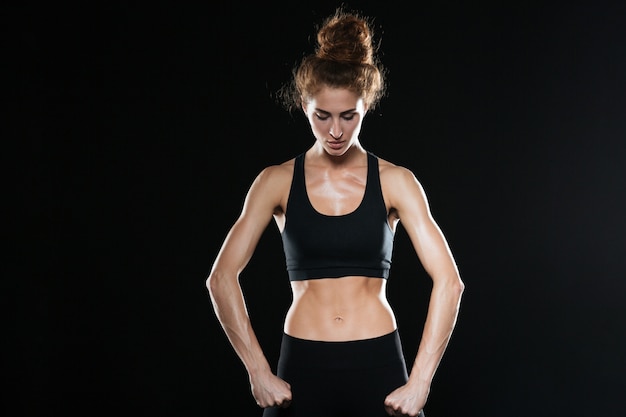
x=339, y=309
x=354, y=354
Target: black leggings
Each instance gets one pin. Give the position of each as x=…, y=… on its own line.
x=340, y=379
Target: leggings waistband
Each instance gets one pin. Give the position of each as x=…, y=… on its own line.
x=353, y=354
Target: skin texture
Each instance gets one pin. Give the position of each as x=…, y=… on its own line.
x=348, y=308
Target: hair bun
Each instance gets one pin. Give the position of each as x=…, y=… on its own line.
x=344, y=57
x=346, y=38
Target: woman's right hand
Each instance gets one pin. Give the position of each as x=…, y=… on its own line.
x=270, y=391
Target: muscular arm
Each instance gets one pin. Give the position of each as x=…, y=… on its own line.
x=225, y=291
x=409, y=201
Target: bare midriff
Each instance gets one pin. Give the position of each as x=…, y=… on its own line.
x=339, y=309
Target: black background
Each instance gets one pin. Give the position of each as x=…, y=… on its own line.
x=134, y=130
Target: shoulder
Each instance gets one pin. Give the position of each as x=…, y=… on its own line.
x=271, y=186
x=276, y=175
x=399, y=183
x=391, y=174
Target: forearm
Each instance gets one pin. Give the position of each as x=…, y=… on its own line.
x=440, y=321
x=230, y=309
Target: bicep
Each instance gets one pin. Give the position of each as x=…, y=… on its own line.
x=425, y=234
x=243, y=237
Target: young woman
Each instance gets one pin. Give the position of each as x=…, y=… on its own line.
x=337, y=207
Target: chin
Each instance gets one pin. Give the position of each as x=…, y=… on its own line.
x=336, y=152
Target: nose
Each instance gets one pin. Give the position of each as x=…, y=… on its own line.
x=335, y=131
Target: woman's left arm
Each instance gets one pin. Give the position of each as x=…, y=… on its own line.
x=408, y=200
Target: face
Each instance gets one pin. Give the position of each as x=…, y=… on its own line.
x=335, y=116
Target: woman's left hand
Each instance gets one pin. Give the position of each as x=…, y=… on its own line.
x=407, y=400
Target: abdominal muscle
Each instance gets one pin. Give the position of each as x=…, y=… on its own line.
x=339, y=309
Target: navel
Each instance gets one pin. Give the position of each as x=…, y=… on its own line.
x=338, y=319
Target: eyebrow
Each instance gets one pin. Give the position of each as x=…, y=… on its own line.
x=341, y=114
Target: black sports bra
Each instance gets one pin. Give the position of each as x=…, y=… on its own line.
x=323, y=246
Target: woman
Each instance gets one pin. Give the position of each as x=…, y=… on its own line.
x=337, y=207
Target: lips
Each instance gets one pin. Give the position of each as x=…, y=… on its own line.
x=335, y=145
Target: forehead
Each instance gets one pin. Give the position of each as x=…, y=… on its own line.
x=336, y=99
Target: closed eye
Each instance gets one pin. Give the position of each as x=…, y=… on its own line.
x=348, y=116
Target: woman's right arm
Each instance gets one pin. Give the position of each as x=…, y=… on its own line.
x=226, y=294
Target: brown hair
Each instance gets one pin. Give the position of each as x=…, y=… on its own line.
x=344, y=58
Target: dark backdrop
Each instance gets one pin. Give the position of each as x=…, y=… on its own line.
x=133, y=132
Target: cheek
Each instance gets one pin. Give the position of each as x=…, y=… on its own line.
x=351, y=126
x=317, y=125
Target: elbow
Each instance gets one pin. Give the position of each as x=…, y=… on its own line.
x=207, y=283
x=219, y=281
x=459, y=287
x=453, y=287
x=212, y=282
